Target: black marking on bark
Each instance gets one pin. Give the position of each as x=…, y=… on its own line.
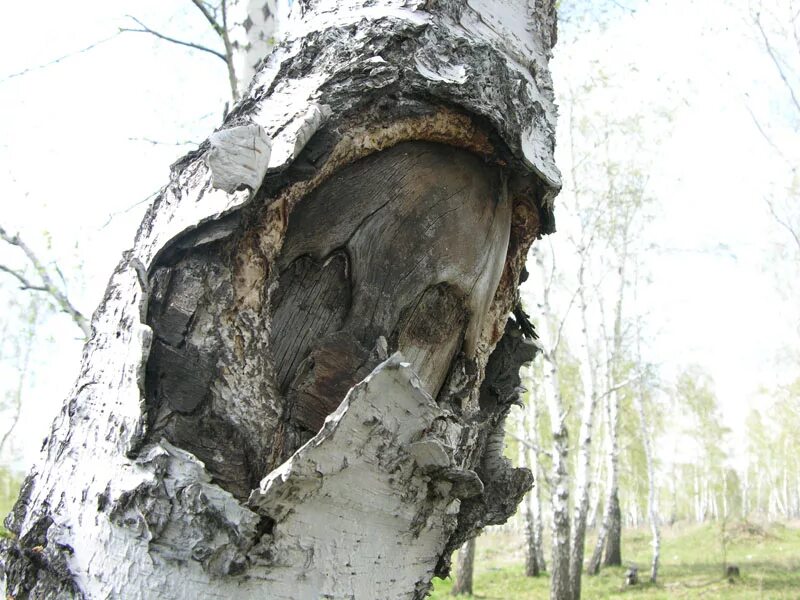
x=34, y=568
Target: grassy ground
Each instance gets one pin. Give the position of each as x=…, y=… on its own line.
x=691, y=566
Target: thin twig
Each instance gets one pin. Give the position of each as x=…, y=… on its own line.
x=59, y=59
x=229, y=53
x=222, y=32
x=620, y=385
x=767, y=138
x=26, y=283
x=146, y=29
x=209, y=17
x=23, y=369
x=113, y=215
x=785, y=224
x=776, y=61
x=47, y=284
x=529, y=445
x=160, y=143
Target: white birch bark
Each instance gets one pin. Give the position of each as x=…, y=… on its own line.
x=254, y=27
x=652, y=490
x=612, y=481
x=537, y=520
x=610, y=535
x=594, y=500
x=582, y=481
x=394, y=479
x=465, y=567
x=559, y=478
x=531, y=508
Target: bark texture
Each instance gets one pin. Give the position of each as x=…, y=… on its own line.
x=583, y=482
x=297, y=381
x=254, y=27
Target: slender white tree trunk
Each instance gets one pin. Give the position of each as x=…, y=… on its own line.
x=698, y=501
x=652, y=486
x=596, y=494
x=582, y=481
x=465, y=568
x=297, y=381
x=254, y=27
x=526, y=437
x=532, y=504
x=746, y=491
x=559, y=478
x=535, y=494
x=611, y=503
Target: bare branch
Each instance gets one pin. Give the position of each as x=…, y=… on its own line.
x=776, y=61
x=24, y=282
x=113, y=215
x=160, y=143
x=229, y=53
x=620, y=385
x=47, y=283
x=146, y=29
x=783, y=223
x=530, y=446
x=209, y=17
x=564, y=320
x=767, y=138
x=59, y=59
x=222, y=32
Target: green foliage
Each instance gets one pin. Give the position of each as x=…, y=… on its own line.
x=773, y=452
x=9, y=489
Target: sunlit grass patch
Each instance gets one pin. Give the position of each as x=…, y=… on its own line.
x=691, y=566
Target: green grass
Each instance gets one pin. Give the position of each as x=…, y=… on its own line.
x=691, y=566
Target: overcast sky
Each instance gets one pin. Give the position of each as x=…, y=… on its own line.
x=77, y=164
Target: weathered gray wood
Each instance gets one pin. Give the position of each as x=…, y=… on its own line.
x=412, y=241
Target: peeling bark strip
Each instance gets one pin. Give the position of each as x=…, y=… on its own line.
x=237, y=425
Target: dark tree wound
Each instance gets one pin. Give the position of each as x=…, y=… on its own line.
x=401, y=251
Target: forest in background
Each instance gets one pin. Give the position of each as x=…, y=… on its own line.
x=617, y=435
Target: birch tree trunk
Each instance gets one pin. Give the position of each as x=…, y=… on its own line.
x=537, y=519
x=652, y=491
x=594, y=500
x=530, y=504
x=582, y=482
x=611, y=514
x=610, y=535
x=297, y=381
x=253, y=29
x=613, y=554
x=465, y=567
x=559, y=478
